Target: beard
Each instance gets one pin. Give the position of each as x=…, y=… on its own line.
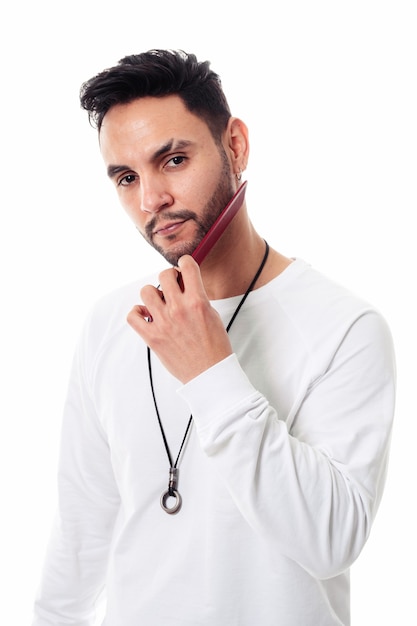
x=212, y=209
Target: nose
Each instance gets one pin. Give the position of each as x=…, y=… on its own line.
x=154, y=195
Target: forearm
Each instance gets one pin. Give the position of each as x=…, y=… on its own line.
x=88, y=503
x=73, y=576
x=312, y=489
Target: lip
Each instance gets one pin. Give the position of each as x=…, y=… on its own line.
x=168, y=229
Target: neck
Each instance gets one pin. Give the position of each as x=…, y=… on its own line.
x=229, y=268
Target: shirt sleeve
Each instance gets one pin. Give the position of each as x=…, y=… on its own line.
x=311, y=490
x=75, y=563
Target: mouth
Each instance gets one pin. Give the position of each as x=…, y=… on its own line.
x=168, y=229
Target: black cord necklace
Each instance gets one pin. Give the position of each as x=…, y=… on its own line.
x=172, y=490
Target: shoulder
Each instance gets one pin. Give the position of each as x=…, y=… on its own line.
x=320, y=309
x=302, y=286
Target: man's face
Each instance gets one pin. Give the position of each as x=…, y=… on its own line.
x=172, y=178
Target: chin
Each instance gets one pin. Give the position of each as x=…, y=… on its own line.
x=175, y=252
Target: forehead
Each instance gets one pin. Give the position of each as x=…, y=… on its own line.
x=146, y=122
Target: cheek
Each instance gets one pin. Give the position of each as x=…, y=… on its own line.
x=199, y=187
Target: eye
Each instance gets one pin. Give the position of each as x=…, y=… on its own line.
x=176, y=161
x=127, y=180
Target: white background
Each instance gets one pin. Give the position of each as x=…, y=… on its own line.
x=328, y=90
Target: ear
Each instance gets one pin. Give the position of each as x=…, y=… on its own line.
x=237, y=138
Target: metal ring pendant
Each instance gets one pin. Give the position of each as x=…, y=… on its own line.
x=178, y=501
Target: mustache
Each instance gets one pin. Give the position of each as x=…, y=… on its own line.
x=156, y=221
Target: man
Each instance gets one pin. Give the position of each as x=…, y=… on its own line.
x=226, y=432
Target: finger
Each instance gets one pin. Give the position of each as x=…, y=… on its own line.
x=152, y=297
x=169, y=282
x=138, y=315
x=190, y=275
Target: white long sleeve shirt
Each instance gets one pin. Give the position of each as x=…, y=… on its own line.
x=281, y=475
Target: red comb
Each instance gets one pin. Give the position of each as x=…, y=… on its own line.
x=220, y=225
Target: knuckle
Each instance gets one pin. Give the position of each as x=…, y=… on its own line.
x=167, y=274
x=145, y=291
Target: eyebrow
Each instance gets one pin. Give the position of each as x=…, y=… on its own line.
x=172, y=144
x=113, y=170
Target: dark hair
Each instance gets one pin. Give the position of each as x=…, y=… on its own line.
x=158, y=73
